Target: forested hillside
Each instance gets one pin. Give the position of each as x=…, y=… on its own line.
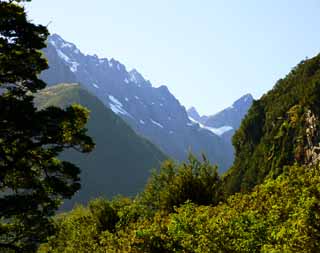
x=121, y=161
x=281, y=128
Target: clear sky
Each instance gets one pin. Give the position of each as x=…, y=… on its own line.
x=208, y=52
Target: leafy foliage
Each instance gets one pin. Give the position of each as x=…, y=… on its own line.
x=32, y=180
x=280, y=215
x=175, y=184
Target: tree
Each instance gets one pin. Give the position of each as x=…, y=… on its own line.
x=33, y=181
x=174, y=184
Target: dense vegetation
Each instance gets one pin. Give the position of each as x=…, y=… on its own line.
x=121, y=161
x=278, y=129
x=280, y=215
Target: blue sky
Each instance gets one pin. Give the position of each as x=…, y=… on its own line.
x=207, y=52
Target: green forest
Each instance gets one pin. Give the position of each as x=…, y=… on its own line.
x=268, y=201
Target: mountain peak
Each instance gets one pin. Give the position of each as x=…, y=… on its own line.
x=245, y=99
x=136, y=77
x=232, y=115
x=55, y=36
x=193, y=113
x=57, y=41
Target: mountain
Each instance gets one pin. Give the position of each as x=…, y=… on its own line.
x=231, y=116
x=280, y=129
x=152, y=112
x=225, y=122
x=121, y=161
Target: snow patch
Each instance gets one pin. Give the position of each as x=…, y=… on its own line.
x=220, y=130
x=156, y=123
x=52, y=43
x=116, y=106
x=63, y=56
x=126, y=80
x=115, y=101
x=136, y=97
x=66, y=44
x=72, y=64
x=142, y=122
x=217, y=131
x=95, y=85
x=133, y=78
x=126, y=99
x=118, y=66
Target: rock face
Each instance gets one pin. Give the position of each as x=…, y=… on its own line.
x=152, y=112
x=312, y=148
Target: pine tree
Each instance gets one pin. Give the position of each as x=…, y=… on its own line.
x=33, y=181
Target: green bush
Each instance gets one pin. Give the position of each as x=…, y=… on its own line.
x=175, y=184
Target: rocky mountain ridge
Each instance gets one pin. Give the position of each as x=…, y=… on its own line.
x=152, y=112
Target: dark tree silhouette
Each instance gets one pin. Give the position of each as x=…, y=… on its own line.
x=33, y=181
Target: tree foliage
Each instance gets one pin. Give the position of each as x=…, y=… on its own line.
x=32, y=180
x=175, y=184
x=280, y=215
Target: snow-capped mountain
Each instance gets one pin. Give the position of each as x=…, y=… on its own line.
x=231, y=116
x=152, y=112
x=227, y=121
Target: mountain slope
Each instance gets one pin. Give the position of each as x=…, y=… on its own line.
x=121, y=161
x=281, y=128
x=152, y=112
